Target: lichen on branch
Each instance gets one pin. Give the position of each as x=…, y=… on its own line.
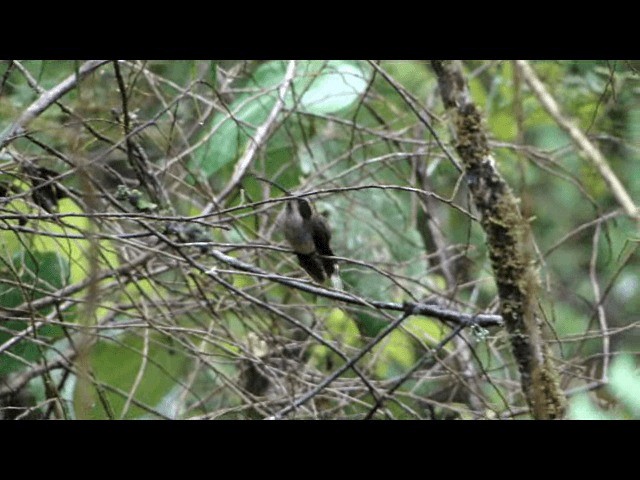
x=509, y=246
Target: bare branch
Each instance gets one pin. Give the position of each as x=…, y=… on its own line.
x=258, y=139
x=483, y=320
x=581, y=141
x=45, y=100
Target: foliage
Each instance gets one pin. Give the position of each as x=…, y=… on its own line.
x=625, y=388
x=114, y=307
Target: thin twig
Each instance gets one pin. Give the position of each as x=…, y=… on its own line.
x=322, y=385
x=602, y=317
x=257, y=141
x=144, y=356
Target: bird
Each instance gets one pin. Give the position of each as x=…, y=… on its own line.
x=309, y=236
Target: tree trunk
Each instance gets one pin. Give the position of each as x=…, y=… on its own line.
x=509, y=245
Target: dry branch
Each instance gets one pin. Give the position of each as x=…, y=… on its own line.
x=259, y=139
x=579, y=138
x=45, y=100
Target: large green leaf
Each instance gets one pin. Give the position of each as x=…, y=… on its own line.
x=625, y=383
x=329, y=87
x=117, y=362
x=394, y=354
x=317, y=88
x=30, y=276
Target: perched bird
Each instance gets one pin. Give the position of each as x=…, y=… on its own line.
x=309, y=237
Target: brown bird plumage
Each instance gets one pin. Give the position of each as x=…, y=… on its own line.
x=309, y=236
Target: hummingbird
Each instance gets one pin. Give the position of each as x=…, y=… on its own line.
x=309, y=236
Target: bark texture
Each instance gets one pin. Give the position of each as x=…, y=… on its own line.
x=509, y=245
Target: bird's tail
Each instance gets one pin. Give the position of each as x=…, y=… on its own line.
x=312, y=265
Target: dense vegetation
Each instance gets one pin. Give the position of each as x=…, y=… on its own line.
x=144, y=273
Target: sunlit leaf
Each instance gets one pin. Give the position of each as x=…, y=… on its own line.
x=162, y=368
x=625, y=382
x=395, y=355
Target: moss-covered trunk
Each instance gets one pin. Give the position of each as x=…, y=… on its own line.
x=509, y=245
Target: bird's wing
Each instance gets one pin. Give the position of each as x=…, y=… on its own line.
x=321, y=239
x=321, y=235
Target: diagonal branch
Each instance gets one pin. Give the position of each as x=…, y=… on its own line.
x=426, y=309
x=301, y=400
x=579, y=138
x=45, y=100
x=259, y=138
x=429, y=358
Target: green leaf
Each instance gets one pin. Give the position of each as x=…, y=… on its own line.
x=582, y=408
x=426, y=329
x=319, y=88
x=394, y=355
x=74, y=250
x=369, y=325
x=342, y=328
x=502, y=125
x=335, y=87
x=232, y=133
x=313, y=156
x=625, y=383
x=32, y=276
x=164, y=365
